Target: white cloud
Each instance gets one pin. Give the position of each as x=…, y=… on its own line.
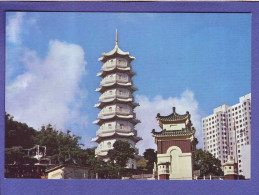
x=49, y=89
x=148, y=110
x=13, y=28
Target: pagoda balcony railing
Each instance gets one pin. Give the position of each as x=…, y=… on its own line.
x=123, y=112
x=115, y=63
x=114, y=79
x=118, y=130
x=115, y=95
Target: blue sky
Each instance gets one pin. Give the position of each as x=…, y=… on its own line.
x=194, y=61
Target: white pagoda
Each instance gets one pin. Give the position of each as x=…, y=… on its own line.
x=116, y=119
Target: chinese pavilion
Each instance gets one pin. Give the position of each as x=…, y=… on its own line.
x=116, y=118
x=174, y=146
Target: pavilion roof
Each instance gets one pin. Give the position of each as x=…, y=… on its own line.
x=173, y=133
x=174, y=117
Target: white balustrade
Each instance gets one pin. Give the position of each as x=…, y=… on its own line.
x=124, y=129
x=109, y=65
x=115, y=78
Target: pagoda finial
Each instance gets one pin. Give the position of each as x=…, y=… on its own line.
x=116, y=40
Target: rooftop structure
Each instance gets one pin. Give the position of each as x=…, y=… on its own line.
x=174, y=150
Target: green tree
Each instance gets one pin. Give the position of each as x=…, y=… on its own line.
x=151, y=156
x=118, y=158
x=205, y=161
x=60, y=145
x=194, y=144
x=18, y=134
x=121, y=153
x=142, y=164
x=17, y=156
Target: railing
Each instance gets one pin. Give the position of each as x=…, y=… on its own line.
x=107, y=113
x=115, y=63
x=115, y=95
x=118, y=130
x=115, y=79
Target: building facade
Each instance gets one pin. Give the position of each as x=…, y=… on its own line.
x=67, y=172
x=116, y=118
x=174, y=146
x=228, y=132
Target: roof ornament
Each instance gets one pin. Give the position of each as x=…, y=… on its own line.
x=173, y=109
x=116, y=39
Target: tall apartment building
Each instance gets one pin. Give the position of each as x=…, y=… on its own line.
x=228, y=132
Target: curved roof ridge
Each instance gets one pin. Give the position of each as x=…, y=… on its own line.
x=173, y=117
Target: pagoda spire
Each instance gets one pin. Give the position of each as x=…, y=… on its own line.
x=116, y=39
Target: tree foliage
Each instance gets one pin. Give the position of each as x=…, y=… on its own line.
x=18, y=134
x=142, y=164
x=61, y=146
x=121, y=153
x=151, y=156
x=205, y=161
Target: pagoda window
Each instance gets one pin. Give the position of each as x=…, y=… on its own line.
x=109, y=126
x=110, y=109
x=121, y=126
x=109, y=144
x=110, y=92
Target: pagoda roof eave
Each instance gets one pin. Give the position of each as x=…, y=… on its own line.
x=115, y=117
x=101, y=104
x=116, y=85
x=116, y=52
x=173, y=133
x=99, y=138
x=103, y=73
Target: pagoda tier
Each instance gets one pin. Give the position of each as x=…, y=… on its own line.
x=132, y=136
x=116, y=118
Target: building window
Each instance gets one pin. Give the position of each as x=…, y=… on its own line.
x=109, y=144
x=109, y=126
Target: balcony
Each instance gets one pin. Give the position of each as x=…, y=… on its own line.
x=106, y=97
x=118, y=79
x=125, y=129
x=116, y=63
x=117, y=112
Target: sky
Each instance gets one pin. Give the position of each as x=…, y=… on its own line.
x=193, y=61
